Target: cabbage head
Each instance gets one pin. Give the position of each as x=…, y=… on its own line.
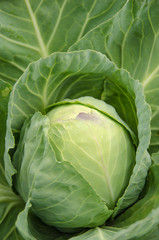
x=80, y=160
x=76, y=143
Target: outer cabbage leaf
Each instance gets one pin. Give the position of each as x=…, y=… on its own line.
x=31, y=29
x=131, y=40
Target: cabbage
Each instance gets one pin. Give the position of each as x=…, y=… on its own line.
x=79, y=120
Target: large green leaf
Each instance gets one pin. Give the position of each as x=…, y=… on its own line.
x=131, y=40
x=30, y=29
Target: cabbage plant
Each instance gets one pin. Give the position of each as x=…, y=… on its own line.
x=79, y=120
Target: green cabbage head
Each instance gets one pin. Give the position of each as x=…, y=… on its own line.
x=74, y=163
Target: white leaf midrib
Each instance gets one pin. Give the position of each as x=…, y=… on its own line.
x=42, y=46
x=100, y=234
